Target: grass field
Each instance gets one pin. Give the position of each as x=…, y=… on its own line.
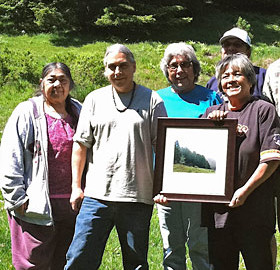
x=46, y=48
x=190, y=169
x=112, y=259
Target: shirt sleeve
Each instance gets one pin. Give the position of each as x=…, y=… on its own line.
x=84, y=134
x=269, y=126
x=267, y=87
x=158, y=111
x=13, y=151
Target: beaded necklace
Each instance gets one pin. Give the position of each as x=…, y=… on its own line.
x=130, y=101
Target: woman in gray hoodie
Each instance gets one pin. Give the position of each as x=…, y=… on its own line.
x=35, y=175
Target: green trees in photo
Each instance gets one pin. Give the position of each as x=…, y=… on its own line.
x=184, y=156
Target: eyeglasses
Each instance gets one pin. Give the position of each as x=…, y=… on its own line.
x=183, y=65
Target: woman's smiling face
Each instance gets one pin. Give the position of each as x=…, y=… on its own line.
x=234, y=83
x=56, y=86
x=181, y=74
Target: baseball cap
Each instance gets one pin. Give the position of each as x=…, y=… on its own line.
x=236, y=33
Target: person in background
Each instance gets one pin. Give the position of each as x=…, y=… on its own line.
x=118, y=126
x=247, y=224
x=35, y=175
x=180, y=221
x=271, y=89
x=233, y=41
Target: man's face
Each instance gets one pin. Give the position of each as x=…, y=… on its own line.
x=120, y=71
x=234, y=45
x=181, y=74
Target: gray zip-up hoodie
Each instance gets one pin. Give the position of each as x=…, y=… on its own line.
x=24, y=164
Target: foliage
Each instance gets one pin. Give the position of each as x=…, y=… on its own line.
x=16, y=14
x=86, y=68
x=44, y=15
x=243, y=24
x=184, y=156
x=132, y=17
x=47, y=17
x=60, y=15
x=126, y=19
x=17, y=66
x=256, y=5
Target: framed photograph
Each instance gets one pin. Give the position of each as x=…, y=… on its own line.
x=195, y=159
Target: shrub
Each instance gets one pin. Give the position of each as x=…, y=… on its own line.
x=16, y=66
x=243, y=24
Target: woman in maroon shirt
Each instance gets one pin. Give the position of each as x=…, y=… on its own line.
x=247, y=224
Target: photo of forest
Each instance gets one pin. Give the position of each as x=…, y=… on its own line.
x=189, y=161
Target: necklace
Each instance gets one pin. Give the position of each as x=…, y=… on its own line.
x=130, y=101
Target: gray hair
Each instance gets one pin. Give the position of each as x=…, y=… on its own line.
x=116, y=48
x=243, y=63
x=183, y=49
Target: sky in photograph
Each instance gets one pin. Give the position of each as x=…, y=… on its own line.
x=202, y=141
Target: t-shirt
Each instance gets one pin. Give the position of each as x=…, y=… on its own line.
x=257, y=141
x=260, y=76
x=60, y=142
x=120, y=166
x=191, y=104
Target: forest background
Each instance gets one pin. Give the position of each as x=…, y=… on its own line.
x=77, y=33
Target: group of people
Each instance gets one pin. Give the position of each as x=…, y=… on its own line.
x=71, y=172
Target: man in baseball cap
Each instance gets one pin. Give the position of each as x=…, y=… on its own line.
x=233, y=41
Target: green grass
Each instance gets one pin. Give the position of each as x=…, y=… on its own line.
x=190, y=169
x=5, y=245
x=112, y=259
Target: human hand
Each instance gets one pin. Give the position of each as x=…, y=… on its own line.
x=161, y=199
x=217, y=115
x=76, y=198
x=21, y=209
x=239, y=197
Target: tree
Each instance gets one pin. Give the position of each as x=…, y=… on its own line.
x=183, y=155
x=177, y=153
x=87, y=15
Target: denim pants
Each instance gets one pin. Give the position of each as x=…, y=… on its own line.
x=180, y=225
x=93, y=226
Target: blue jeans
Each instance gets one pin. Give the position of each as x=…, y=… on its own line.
x=180, y=225
x=93, y=226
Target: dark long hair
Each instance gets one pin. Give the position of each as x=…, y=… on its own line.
x=70, y=108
